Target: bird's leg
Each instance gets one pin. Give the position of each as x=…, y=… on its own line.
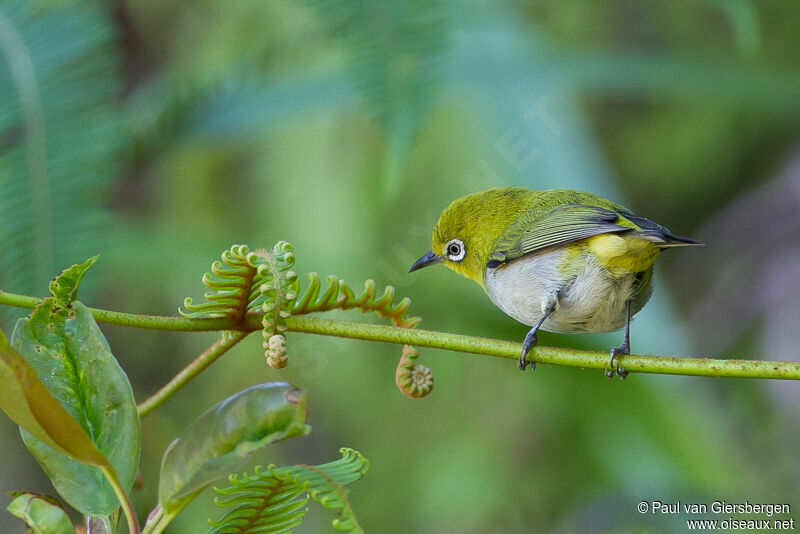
x=531, y=339
x=623, y=349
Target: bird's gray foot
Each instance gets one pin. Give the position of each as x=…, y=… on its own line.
x=613, y=363
x=531, y=339
x=527, y=345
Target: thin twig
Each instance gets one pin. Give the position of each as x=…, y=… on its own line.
x=125, y=502
x=206, y=358
x=442, y=340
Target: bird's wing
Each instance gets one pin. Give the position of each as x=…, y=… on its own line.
x=532, y=232
x=656, y=233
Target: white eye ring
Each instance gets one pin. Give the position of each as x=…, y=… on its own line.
x=455, y=249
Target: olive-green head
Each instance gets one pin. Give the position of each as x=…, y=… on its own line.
x=469, y=228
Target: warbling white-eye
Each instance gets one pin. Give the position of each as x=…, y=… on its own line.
x=560, y=260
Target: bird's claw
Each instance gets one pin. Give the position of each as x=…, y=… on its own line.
x=523, y=363
x=530, y=341
x=613, y=363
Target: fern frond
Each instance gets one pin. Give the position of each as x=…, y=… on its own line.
x=338, y=295
x=393, y=52
x=59, y=136
x=272, y=500
x=259, y=503
x=279, y=287
x=279, y=292
x=412, y=378
x=263, y=280
x=244, y=281
x=236, y=103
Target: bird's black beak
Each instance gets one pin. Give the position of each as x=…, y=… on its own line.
x=428, y=259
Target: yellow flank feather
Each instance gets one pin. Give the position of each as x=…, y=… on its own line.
x=623, y=254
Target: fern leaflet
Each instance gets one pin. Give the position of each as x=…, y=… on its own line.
x=340, y=296
x=245, y=281
x=272, y=500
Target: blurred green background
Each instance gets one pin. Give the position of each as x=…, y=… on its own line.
x=160, y=133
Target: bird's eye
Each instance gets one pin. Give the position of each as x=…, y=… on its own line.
x=454, y=249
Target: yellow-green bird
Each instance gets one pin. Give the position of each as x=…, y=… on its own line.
x=560, y=260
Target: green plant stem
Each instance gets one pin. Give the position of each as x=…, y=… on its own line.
x=206, y=358
x=125, y=502
x=153, y=521
x=99, y=524
x=166, y=520
x=160, y=522
x=133, y=320
x=670, y=365
x=442, y=340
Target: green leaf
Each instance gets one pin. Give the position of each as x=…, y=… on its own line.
x=28, y=403
x=272, y=500
x=61, y=136
x=72, y=358
x=64, y=287
x=42, y=514
x=221, y=439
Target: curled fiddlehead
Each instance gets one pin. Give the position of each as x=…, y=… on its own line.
x=413, y=379
x=275, y=350
x=338, y=295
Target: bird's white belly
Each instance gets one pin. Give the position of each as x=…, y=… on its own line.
x=587, y=299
